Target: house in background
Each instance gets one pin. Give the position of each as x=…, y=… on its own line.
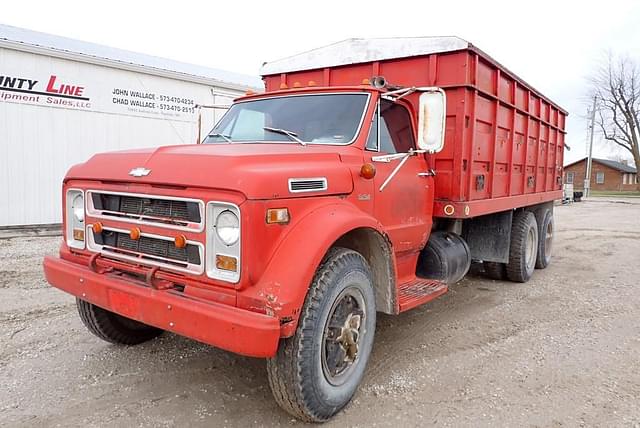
x=605, y=175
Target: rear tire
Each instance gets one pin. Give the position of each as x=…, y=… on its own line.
x=495, y=270
x=316, y=372
x=545, y=240
x=112, y=327
x=523, y=248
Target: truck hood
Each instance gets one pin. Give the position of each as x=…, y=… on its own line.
x=259, y=171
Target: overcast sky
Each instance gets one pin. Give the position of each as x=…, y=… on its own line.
x=552, y=45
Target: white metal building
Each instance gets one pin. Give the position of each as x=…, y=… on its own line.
x=63, y=100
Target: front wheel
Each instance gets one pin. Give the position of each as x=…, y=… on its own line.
x=317, y=371
x=112, y=327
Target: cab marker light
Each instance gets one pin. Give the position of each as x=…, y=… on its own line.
x=368, y=171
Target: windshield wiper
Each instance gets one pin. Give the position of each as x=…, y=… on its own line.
x=286, y=132
x=224, y=137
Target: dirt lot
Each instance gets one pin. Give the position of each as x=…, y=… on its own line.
x=561, y=350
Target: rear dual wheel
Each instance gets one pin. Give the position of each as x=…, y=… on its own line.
x=524, y=247
x=495, y=270
x=545, y=239
x=530, y=248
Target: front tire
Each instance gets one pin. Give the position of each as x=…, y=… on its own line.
x=317, y=371
x=112, y=327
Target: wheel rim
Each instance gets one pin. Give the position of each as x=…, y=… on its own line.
x=531, y=248
x=342, y=336
x=548, y=239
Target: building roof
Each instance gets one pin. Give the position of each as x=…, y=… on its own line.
x=610, y=163
x=77, y=50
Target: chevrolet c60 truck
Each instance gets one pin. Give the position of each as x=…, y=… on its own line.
x=365, y=179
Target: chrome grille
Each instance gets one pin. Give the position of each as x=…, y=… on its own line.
x=123, y=241
x=171, y=212
x=177, y=210
x=161, y=249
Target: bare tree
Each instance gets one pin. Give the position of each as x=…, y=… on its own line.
x=616, y=86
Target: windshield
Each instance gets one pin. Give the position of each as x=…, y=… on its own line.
x=313, y=119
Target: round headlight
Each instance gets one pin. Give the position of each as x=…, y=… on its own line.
x=77, y=207
x=228, y=227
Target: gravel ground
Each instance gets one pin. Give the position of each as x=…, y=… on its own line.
x=560, y=350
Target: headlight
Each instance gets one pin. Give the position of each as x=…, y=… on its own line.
x=74, y=207
x=228, y=227
x=77, y=207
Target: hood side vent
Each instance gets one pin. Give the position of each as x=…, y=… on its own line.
x=299, y=185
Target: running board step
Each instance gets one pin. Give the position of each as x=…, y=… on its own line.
x=419, y=291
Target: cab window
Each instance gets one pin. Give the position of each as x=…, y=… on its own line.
x=395, y=128
x=390, y=130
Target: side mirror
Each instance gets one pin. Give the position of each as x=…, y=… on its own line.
x=431, y=120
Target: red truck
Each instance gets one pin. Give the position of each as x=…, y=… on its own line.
x=366, y=178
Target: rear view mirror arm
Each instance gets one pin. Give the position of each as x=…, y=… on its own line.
x=387, y=158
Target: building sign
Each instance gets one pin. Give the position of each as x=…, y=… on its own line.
x=107, y=91
x=151, y=101
x=52, y=92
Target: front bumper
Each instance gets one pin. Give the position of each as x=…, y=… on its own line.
x=230, y=328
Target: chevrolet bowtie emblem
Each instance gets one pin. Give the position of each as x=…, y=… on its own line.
x=139, y=172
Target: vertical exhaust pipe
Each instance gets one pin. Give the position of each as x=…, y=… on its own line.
x=379, y=82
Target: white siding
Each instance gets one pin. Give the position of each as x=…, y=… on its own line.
x=38, y=143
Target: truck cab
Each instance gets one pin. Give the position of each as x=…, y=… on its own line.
x=306, y=210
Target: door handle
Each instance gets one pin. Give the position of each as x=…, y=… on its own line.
x=430, y=173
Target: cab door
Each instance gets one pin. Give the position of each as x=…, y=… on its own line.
x=404, y=206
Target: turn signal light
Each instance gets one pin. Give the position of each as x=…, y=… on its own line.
x=277, y=216
x=97, y=227
x=368, y=171
x=134, y=234
x=180, y=241
x=78, y=234
x=226, y=263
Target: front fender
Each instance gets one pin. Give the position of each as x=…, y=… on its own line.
x=284, y=284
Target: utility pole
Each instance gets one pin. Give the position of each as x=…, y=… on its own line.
x=587, y=177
